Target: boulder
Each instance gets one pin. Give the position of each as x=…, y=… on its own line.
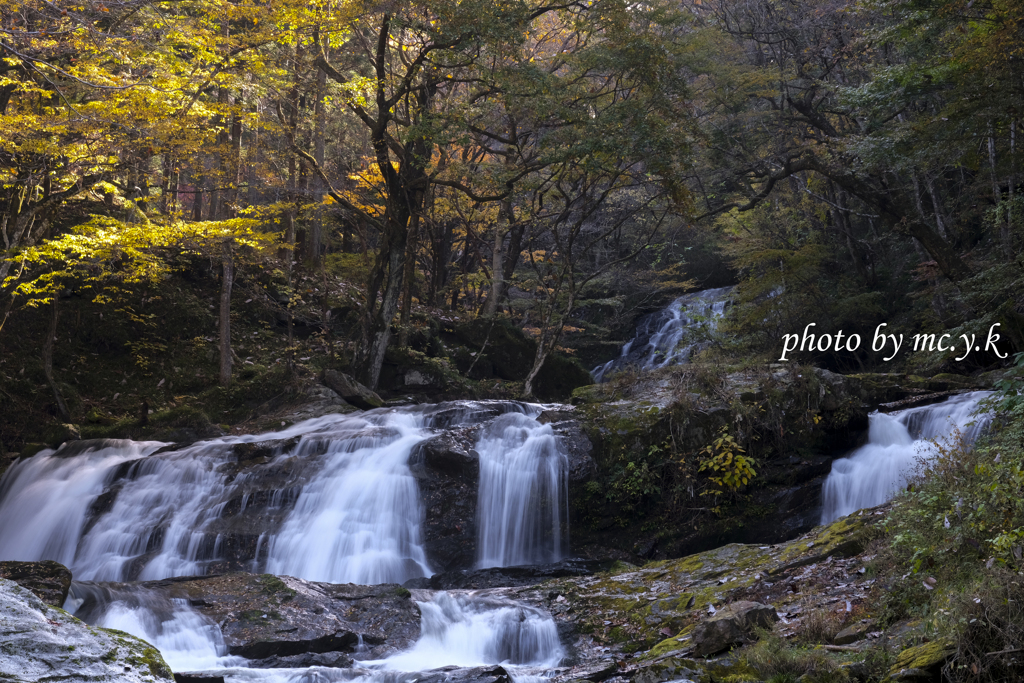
x=48, y=580
x=351, y=391
x=41, y=642
x=447, y=470
x=731, y=625
x=858, y=631
x=264, y=617
x=58, y=433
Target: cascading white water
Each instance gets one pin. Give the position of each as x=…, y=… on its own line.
x=44, y=500
x=670, y=335
x=187, y=640
x=465, y=629
x=359, y=520
x=896, y=443
x=120, y=512
x=522, y=495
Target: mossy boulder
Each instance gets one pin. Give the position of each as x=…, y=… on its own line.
x=58, y=433
x=922, y=662
x=42, y=642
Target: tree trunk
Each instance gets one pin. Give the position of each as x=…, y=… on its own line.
x=408, y=278
x=226, y=282
x=62, y=407
x=497, y=259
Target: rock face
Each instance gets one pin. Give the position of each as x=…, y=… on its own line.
x=264, y=617
x=41, y=642
x=731, y=625
x=352, y=391
x=655, y=609
x=48, y=580
x=447, y=470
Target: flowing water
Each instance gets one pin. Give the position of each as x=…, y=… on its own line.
x=670, y=335
x=522, y=499
x=897, y=442
x=347, y=508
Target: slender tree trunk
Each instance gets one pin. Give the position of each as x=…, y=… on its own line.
x=226, y=282
x=501, y=229
x=408, y=278
x=62, y=407
x=997, y=195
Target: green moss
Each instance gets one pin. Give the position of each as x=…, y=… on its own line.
x=923, y=657
x=272, y=585
x=402, y=592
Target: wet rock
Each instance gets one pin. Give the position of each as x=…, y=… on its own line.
x=335, y=660
x=48, y=580
x=351, y=391
x=447, y=470
x=498, y=577
x=197, y=678
x=731, y=625
x=41, y=642
x=264, y=616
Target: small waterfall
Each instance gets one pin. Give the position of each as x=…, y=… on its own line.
x=672, y=334
x=187, y=640
x=471, y=630
x=896, y=443
x=457, y=629
x=45, y=500
x=522, y=495
x=359, y=520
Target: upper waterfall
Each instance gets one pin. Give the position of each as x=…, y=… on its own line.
x=670, y=335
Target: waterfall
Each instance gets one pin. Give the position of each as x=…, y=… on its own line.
x=45, y=500
x=342, y=505
x=523, y=493
x=475, y=630
x=187, y=640
x=672, y=334
x=463, y=629
x=359, y=520
x=896, y=443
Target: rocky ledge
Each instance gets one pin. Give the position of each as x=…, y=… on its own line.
x=42, y=642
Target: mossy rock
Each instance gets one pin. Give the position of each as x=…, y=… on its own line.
x=927, y=659
x=508, y=348
x=559, y=377
x=58, y=433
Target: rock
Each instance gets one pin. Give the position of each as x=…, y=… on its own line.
x=263, y=616
x=579, y=450
x=41, y=642
x=731, y=625
x=851, y=634
x=197, y=678
x=447, y=470
x=56, y=434
x=351, y=391
x=923, y=662
x=334, y=660
x=48, y=580
x=500, y=577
